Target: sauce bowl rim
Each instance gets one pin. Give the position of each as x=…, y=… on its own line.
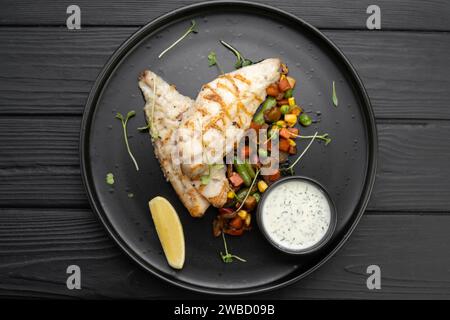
x=326, y=237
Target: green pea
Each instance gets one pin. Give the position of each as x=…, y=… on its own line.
x=288, y=93
x=284, y=108
x=305, y=120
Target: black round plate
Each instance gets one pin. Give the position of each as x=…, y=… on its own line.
x=346, y=167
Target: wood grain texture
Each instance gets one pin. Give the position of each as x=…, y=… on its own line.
x=40, y=166
x=51, y=70
x=46, y=73
x=344, y=14
x=37, y=245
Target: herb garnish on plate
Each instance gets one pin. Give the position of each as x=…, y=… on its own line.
x=212, y=61
x=228, y=257
x=124, y=121
x=334, y=96
x=241, y=60
x=192, y=29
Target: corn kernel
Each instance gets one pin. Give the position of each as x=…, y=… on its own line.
x=242, y=214
x=281, y=124
x=291, y=101
x=291, y=119
x=230, y=194
x=248, y=220
x=295, y=110
x=292, y=142
x=262, y=186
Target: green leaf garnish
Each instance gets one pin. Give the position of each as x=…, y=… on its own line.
x=143, y=129
x=241, y=60
x=212, y=61
x=192, y=29
x=124, y=122
x=334, y=97
x=228, y=257
x=324, y=137
x=110, y=178
x=289, y=169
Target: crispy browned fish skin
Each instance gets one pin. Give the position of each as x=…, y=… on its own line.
x=223, y=112
x=168, y=108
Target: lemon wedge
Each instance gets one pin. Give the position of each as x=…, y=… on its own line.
x=170, y=231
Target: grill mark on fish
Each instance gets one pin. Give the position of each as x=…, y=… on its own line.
x=214, y=96
x=233, y=83
x=242, y=78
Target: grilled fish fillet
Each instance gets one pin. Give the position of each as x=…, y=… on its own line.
x=164, y=111
x=222, y=113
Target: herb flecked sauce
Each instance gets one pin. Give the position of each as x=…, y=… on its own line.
x=296, y=215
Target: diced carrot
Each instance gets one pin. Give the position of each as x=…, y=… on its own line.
x=237, y=223
x=284, y=145
x=293, y=132
x=272, y=90
x=236, y=180
x=284, y=85
x=292, y=150
x=285, y=133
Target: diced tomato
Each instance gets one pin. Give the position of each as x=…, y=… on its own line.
x=234, y=232
x=285, y=133
x=272, y=90
x=236, y=180
x=294, y=132
x=292, y=149
x=284, y=145
x=237, y=223
x=284, y=85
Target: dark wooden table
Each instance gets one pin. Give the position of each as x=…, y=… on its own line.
x=46, y=224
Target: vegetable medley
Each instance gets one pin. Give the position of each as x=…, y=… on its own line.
x=278, y=114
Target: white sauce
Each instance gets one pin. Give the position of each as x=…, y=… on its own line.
x=296, y=214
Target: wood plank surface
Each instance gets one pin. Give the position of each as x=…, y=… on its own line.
x=39, y=164
x=47, y=71
x=51, y=70
x=344, y=14
x=37, y=245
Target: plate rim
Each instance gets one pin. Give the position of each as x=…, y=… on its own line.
x=108, y=70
